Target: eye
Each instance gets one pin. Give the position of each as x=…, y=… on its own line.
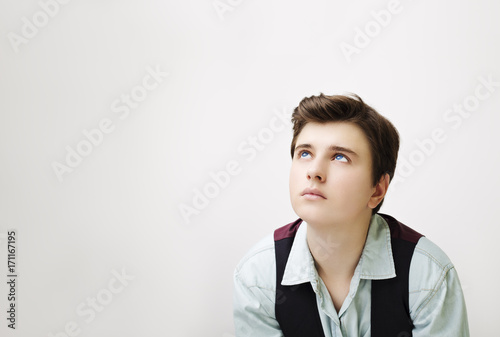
x=340, y=157
x=304, y=154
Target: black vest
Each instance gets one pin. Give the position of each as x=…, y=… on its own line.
x=296, y=308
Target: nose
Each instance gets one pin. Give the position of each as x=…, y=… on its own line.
x=314, y=172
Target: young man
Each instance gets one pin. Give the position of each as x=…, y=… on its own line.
x=342, y=269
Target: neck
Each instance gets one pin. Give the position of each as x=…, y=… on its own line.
x=336, y=249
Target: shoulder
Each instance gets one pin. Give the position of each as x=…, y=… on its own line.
x=429, y=265
x=258, y=267
x=436, y=299
x=429, y=253
x=430, y=270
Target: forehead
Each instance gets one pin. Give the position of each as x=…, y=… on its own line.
x=343, y=134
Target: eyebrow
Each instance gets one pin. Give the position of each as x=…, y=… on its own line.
x=332, y=148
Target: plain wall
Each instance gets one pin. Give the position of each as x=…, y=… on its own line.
x=236, y=69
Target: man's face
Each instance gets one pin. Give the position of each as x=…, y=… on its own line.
x=331, y=174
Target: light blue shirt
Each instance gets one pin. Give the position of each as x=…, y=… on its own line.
x=437, y=305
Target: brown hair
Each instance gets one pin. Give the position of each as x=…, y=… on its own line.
x=382, y=136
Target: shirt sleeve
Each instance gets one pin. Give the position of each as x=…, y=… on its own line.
x=442, y=311
x=254, y=310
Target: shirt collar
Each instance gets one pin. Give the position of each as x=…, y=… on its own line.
x=300, y=265
x=376, y=260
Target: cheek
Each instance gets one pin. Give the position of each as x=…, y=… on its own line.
x=354, y=185
x=294, y=178
x=294, y=186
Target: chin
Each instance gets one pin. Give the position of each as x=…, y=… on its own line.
x=321, y=216
x=313, y=215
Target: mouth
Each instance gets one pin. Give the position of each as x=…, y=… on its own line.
x=312, y=194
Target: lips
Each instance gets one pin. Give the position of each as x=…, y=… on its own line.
x=313, y=194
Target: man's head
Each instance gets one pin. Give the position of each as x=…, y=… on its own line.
x=347, y=117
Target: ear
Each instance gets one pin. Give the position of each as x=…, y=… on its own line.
x=379, y=191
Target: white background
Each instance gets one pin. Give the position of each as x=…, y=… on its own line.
x=229, y=71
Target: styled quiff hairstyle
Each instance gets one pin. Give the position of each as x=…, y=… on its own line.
x=382, y=136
